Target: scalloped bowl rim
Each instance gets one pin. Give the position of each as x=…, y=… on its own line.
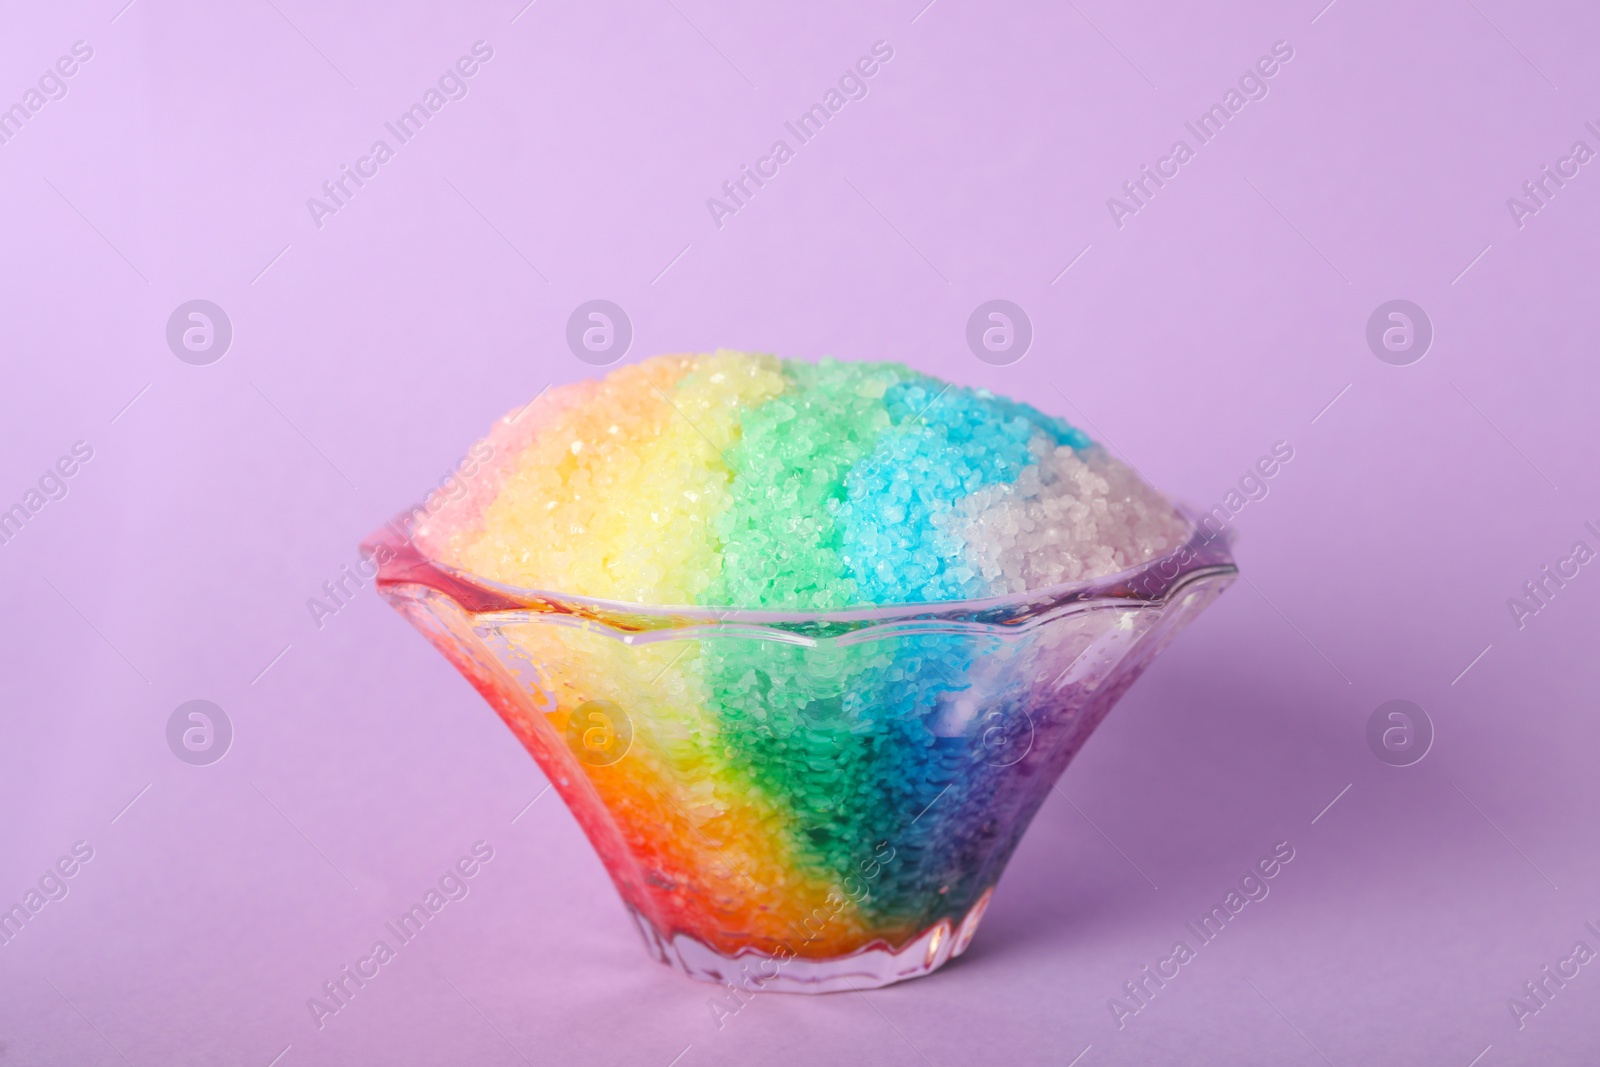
x=1210, y=556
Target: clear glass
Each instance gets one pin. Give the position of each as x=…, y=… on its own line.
x=804, y=802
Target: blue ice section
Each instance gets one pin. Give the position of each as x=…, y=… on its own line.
x=946, y=443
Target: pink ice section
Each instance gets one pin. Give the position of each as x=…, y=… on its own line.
x=461, y=519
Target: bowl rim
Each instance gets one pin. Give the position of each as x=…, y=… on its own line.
x=1204, y=553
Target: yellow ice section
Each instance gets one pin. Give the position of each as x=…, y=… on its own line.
x=617, y=497
x=703, y=848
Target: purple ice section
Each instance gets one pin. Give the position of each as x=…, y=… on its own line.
x=1398, y=154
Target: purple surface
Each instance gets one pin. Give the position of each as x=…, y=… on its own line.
x=1222, y=317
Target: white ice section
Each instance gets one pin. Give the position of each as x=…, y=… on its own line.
x=1070, y=517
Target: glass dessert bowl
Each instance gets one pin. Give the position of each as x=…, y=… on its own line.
x=804, y=802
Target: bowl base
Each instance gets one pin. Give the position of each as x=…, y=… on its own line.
x=751, y=971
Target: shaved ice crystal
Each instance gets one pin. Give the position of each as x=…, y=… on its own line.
x=747, y=481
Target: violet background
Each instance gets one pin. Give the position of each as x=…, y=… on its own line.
x=1222, y=318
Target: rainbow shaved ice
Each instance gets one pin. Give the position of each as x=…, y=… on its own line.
x=775, y=795
x=739, y=480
